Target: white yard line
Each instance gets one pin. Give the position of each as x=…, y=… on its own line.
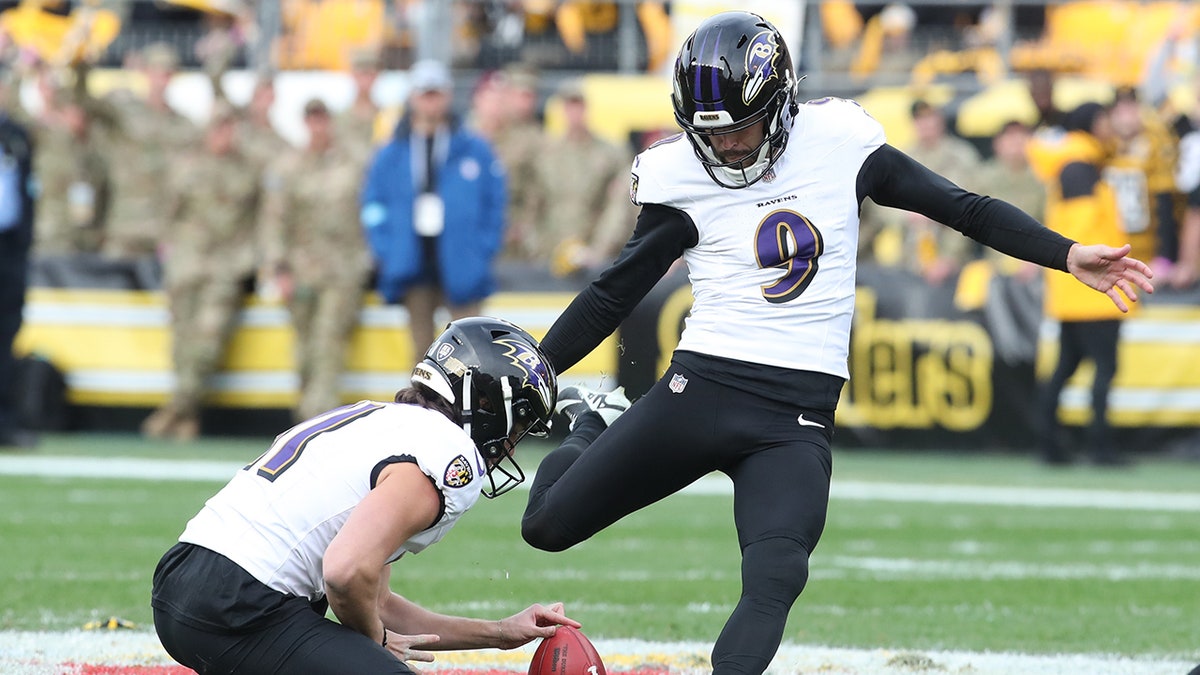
x=118, y=467
x=37, y=653
x=200, y=470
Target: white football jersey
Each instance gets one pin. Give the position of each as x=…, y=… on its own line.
x=773, y=272
x=277, y=516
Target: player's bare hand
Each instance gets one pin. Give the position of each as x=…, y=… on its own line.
x=1110, y=271
x=536, y=621
x=402, y=646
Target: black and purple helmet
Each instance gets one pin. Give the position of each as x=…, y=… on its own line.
x=500, y=382
x=732, y=73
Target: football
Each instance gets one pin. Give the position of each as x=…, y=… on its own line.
x=567, y=652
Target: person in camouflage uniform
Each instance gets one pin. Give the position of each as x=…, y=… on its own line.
x=1008, y=176
x=506, y=115
x=354, y=127
x=1011, y=301
x=938, y=253
x=212, y=198
x=147, y=136
x=315, y=255
x=261, y=143
x=73, y=175
x=581, y=196
x=218, y=49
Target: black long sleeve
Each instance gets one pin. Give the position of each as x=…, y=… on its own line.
x=660, y=237
x=892, y=178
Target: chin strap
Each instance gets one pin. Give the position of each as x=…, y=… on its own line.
x=506, y=389
x=466, y=403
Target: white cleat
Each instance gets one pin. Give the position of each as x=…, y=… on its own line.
x=577, y=401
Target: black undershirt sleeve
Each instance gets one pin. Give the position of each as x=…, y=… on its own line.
x=892, y=178
x=660, y=237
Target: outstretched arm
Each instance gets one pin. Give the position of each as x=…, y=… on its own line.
x=892, y=178
x=1108, y=269
x=410, y=622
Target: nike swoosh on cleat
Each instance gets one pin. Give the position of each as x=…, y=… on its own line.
x=808, y=423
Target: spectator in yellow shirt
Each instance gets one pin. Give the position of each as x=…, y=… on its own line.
x=1081, y=205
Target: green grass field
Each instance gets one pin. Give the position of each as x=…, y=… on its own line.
x=891, y=574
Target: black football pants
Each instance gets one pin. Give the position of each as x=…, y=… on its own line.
x=295, y=638
x=1080, y=340
x=308, y=644
x=13, y=281
x=777, y=455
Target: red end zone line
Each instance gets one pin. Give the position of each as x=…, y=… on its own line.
x=85, y=669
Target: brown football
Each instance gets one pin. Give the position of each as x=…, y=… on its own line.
x=567, y=652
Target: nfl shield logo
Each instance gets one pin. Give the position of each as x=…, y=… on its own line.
x=678, y=382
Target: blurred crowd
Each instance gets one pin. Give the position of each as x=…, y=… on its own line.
x=230, y=208
x=321, y=34
x=1121, y=167
x=421, y=207
x=1145, y=152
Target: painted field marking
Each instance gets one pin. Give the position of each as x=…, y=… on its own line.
x=213, y=471
x=36, y=653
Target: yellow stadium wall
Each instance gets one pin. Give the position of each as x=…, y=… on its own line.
x=115, y=349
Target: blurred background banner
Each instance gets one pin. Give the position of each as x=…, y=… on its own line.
x=927, y=373
x=924, y=372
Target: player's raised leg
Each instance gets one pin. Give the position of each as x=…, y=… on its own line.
x=598, y=475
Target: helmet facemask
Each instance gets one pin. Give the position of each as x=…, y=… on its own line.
x=751, y=168
x=497, y=432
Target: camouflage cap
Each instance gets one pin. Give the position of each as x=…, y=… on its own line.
x=315, y=107
x=921, y=107
x=521, y=76
x=264, y=78
x=72, y=97
x=364, y=59
x=160, y=55
x=222, y=112
x=571, y=89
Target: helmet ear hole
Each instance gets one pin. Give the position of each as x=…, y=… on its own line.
x=493, y=450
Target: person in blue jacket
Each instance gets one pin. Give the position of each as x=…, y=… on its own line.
x=16, y=235
x=433, y=209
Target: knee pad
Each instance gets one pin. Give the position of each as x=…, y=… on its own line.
x=775, y=569
x=545, y=533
